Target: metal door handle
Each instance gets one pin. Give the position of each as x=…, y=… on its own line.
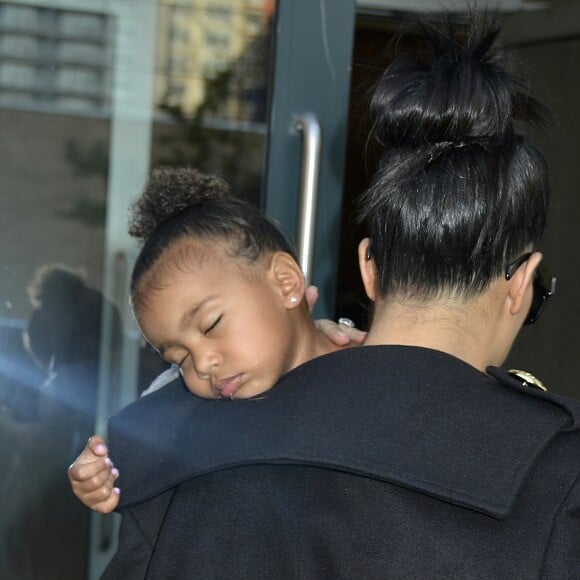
x=308, y=125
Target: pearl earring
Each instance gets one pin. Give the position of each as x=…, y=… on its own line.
x=293, y=300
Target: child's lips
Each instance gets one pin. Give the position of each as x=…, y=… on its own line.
x=227, y=387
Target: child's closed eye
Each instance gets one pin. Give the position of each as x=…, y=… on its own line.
x=213, y=325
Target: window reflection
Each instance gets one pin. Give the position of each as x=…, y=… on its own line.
x=61, y=79
x=46, y=420
x=202, y=44
x=55, y=58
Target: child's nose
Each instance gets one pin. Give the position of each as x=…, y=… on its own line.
x=205, y=363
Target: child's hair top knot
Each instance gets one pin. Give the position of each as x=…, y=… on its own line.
x=457, y=94
x=195, y=214
x=169, y=192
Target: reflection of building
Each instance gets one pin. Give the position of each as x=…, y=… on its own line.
x=72, y=74
x=63, y=59
x=200, y=41
x=60, y=59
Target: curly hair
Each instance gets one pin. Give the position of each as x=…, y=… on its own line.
x=181, y=205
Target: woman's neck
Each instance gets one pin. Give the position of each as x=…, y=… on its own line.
x=461, y=330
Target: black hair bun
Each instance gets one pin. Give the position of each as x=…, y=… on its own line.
x=170, y=191
x=460, y=93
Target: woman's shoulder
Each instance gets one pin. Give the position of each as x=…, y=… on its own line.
x=530, y=387
x=166, y=399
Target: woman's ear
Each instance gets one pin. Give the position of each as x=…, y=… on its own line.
x=521, y=282
x=368, y=268
x=287, y=278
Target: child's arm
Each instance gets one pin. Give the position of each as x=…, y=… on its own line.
x=92, y=477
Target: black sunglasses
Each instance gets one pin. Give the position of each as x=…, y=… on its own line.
x=544, y=286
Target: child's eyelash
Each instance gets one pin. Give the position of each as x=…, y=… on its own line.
x=213, y=325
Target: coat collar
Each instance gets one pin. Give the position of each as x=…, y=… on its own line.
x=414, y=417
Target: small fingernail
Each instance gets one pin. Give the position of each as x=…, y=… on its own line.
x=100, y=448
x=116, y=491
x=115, y=471
x=107, y=461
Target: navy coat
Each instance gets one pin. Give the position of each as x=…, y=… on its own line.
x=373, y=462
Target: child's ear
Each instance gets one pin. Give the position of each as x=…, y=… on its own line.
x=288, y=279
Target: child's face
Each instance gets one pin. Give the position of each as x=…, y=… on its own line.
x=230, y=333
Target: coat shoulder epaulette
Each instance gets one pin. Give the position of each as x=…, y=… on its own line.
x=516, y=377
x=519, y=379
x=528, y=379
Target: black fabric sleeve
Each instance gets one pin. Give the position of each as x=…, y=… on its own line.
x=562, y=561
x=138, y=534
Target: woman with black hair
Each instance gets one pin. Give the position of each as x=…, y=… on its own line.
x=458, y=204
x=414, y=456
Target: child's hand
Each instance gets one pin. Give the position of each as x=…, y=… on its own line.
x=340, y=334
x=92, y=476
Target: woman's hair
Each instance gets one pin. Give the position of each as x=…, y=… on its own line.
x=65, y=323
x=55, y=285
x=459, y=191
x=184, y=205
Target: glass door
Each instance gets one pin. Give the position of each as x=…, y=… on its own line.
x=56, y=96
x=92, y=95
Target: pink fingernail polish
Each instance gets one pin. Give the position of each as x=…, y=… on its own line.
x=116, y=491
x=115, y=471
x=107, y=461
x=100, y=448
